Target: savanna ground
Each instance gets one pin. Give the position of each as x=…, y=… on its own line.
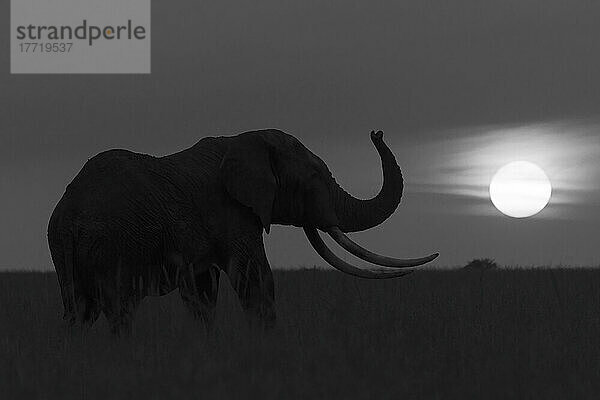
x=496, y=334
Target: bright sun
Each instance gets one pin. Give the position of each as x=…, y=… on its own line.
x=520, y=189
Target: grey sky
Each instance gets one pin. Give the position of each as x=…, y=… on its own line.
x=447, y=82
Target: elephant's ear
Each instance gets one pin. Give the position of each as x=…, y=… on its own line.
x=248, y=177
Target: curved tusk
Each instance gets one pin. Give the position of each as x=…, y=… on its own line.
x=322, y=249
x=374, y=258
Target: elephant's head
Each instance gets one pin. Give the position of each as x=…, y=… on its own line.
x=285, y=183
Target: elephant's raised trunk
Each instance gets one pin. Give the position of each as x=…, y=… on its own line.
x=358, y=215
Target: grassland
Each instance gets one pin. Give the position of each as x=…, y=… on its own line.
x=497, y=334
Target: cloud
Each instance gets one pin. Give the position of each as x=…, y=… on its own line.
x=464, y=162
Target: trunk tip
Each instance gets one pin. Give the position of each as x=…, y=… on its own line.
x=376, y=135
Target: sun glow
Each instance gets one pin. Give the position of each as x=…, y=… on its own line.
x=520, y=189
x=568, y=151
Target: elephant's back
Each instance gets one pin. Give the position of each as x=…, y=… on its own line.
x=109, y=181
x=117, y=193
x=111, y=170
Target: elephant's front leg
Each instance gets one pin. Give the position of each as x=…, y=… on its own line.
x=250, y=275
x=199, y=291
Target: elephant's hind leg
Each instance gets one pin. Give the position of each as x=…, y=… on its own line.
x=88, y=311
x=119, y=304
x=199, y=292
x=85, y=305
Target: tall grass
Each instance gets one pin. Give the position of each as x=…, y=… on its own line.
x=496, y=334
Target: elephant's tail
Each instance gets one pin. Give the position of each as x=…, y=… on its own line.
x=68, y=286
x=64, y=270
x=60, y=241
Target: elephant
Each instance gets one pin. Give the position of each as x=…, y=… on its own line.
x=132, y=225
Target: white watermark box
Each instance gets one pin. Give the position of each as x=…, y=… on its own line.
x=80, y=36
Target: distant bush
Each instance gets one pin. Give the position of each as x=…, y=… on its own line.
x=481, y=264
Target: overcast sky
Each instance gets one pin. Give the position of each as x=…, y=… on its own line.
x=459, y=89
